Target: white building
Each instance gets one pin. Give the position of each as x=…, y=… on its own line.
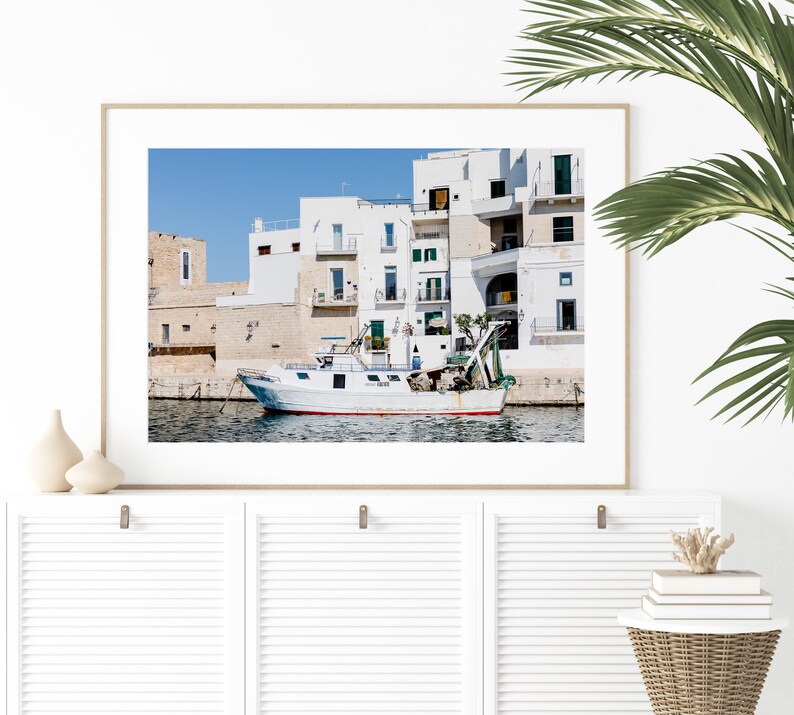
x=492, y=230
x=514, y=220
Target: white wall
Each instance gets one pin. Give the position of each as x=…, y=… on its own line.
x=687, y=304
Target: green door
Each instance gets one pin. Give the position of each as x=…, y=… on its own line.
x=562, y=174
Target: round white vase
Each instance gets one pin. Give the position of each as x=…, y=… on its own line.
x=95, y=474
x=52, y=456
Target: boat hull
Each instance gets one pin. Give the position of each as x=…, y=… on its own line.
x=292, y=399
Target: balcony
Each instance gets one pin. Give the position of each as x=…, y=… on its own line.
x=288, y=224
x=430, y=231
x=432, y=295
x=347, y=246
x=376, y=345
x=544, y=189
x=392, y=295
x=388, y=243
x=431, y=209
x=501, y=298
x=558, y=326
x=324, y=299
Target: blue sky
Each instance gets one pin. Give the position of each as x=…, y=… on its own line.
x=215, y=194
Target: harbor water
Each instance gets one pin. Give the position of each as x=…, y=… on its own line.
x=244, y=421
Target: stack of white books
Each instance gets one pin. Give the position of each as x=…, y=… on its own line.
x=678, y=595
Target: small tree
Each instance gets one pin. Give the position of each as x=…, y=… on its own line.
x=468, y=323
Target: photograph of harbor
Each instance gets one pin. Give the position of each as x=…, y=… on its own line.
x=366, y=295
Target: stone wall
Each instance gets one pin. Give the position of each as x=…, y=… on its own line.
x=468, y=236
x=165, y=259
x=539, y=221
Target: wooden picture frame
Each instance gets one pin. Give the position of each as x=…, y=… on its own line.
x=129, y=130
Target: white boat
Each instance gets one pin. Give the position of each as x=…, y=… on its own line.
x=339, y=382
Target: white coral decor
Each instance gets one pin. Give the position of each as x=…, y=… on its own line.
x=700, y=550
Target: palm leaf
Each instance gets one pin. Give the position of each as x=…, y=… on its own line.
x=773, y=338
x=739, y=50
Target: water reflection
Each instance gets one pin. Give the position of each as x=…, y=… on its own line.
x=202, y=421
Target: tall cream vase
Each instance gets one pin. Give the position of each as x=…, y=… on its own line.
x=52, y=456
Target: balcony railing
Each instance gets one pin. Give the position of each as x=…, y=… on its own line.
x=554, y=326
x=326, y=299
x=383, y=202
x=574, y=187
x=347, y=245
x=501, y=297
x=421, y=233
x=376, y=345
x=388, y=243
x=395, y=295
x=432, y=295
x=282, y=225
x=438, y=206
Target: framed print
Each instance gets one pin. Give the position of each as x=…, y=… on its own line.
x=364, y=296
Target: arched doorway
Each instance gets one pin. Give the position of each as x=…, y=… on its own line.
x=501, y=290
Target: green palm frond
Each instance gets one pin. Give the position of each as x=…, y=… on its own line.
x=656, y=211
x=773, y=375
x=739, y=50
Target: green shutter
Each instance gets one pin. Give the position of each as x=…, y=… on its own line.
x=430, y=254
x=417, y=255
x=376, y=328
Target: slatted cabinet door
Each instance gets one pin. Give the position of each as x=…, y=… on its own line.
x=554, y=583
x=111, y=621
x=356, y=621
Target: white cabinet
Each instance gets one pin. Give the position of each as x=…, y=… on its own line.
x=362, y=621
x=279, y=604
x=554, y=583
x=139, y=620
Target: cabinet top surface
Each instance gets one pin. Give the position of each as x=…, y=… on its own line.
x=407, y=495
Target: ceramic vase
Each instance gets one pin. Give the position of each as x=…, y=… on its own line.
x=95, y=474
x=52, y=456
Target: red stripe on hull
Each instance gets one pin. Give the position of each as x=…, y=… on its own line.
x=379, y=414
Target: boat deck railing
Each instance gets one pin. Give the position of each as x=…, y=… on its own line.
x=255, y=374
x=349, y=368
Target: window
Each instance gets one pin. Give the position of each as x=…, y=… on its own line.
x=566, y=279
x=510, y=225
x=388, y=234
x=337, y=233
x=416, y=255
x=433, y=286
x=497, y=188
x=439, y=199
x=391, y=282
x=184, y=267
x=373, y=378
x=562, y=228
x=166, y=334
x=303, y=376
x=431, y=329
x=337, y=283
x=566, y=315
x=339, y=382
x=376, y=329
x=296, y=247
x=185, y=328
x=263, y=251
x=430, y=254
x=562, y=174
x=394, y=378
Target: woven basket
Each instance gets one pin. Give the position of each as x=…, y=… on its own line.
x=698, y=674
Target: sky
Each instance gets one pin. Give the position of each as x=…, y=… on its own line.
x=215, y=194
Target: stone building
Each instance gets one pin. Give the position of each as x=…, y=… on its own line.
x=182, y=306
